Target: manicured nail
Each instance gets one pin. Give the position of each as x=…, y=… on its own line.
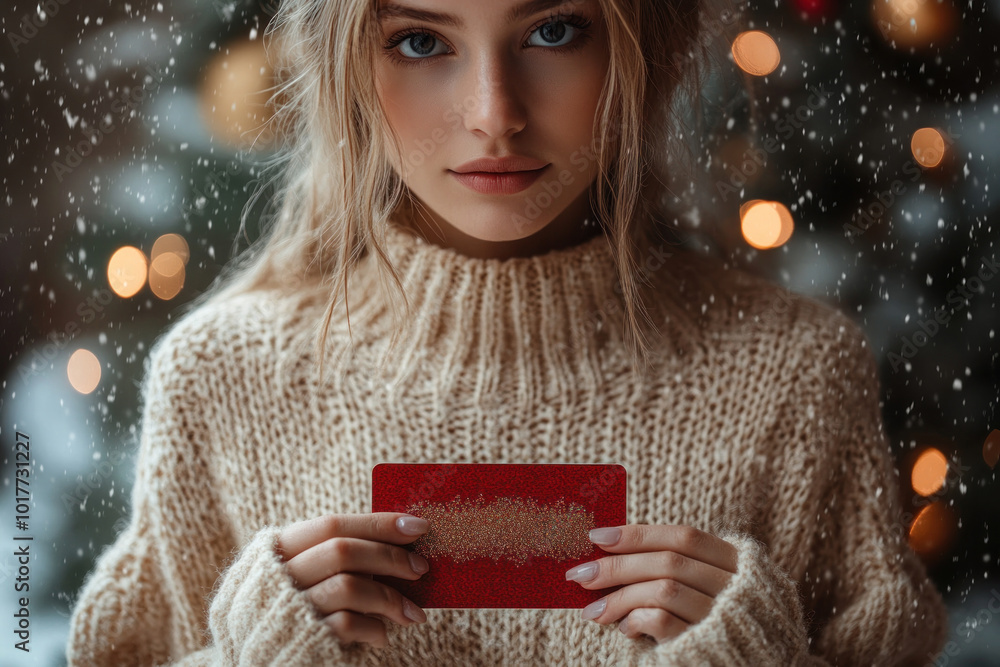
x=413, y=612
x=605, y=536
x=412, y=525
x=584, y=572
x=623, y=626
x=595, y=609
x=419, y=563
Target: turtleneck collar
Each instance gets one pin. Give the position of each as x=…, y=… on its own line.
x=535, y=325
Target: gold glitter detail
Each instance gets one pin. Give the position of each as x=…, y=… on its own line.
x=515, y=529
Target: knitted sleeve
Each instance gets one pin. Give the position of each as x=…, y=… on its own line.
x=869, y=601
x=173, y=588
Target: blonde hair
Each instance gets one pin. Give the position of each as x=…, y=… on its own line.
x=336, y=190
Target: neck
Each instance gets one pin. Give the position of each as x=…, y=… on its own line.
x=529, y=322
x=573, y=226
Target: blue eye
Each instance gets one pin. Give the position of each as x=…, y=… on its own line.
x=421, y=42
x=555, y=31
x=552, y=31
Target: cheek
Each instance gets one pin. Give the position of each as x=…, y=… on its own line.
x=571, y=97
x=568, y=121
x=416, y=111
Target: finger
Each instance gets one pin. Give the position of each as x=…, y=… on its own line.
x=350, y=554
x=686, y=540
x=659, y=624
x=350, y=592
x=378, y=526
x=632, y=568
x=349, y=626
x=682, y=601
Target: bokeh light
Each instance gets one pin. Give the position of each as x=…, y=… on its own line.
x=914, y=23
x=927, y=146
x=755, y=52
x=765, y=224
x=234, y=94
x=933, y=530
x=84, y=371
x=166, y=275
x=991, y=448
x=127, y=271
x=929, y=472
x=174, y=243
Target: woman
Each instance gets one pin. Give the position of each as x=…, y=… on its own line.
x=546, y=321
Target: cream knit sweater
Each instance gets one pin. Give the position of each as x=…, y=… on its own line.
x=760, y=423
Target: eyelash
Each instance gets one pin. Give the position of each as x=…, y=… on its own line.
x=578, y=22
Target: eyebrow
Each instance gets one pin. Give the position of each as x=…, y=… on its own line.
x=522, y=11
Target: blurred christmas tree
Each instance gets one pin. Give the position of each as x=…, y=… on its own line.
x=861, y=177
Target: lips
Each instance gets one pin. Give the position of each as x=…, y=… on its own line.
x=499, y=183
x=507, y=163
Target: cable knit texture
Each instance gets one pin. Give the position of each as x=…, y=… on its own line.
x=759, y=422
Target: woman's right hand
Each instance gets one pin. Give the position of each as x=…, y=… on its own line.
x=333, y=558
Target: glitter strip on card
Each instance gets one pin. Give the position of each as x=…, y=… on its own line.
x=546, y=511
x=506, y=528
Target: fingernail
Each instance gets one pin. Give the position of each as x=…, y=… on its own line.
x=411, y=525
x=605, y=535
x=623, y=626
x=584, y=572
x=413, y=612
x=419, y=563
x=595, y=609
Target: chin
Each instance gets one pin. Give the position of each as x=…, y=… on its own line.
x=500, y=230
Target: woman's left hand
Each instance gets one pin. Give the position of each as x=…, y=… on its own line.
x=671, y=575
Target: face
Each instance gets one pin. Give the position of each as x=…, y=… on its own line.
x=462, y=80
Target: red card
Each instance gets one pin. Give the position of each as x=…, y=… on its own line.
x=502, y=535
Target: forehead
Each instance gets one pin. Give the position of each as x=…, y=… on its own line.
x=443, y=12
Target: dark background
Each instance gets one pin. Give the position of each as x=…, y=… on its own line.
x=130, y=80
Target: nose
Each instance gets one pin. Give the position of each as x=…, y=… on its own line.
x=495, y=108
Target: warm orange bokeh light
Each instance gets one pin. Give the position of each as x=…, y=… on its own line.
x=756, y=53
x=991, y=448
x=235, y=96
x=166, y=275
x=914, y=23
x=174, y=243
x=933, y=530
x=927, y=146
x=929, y=472
x=127, y=271
x=84, y=371
x=765, y=224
